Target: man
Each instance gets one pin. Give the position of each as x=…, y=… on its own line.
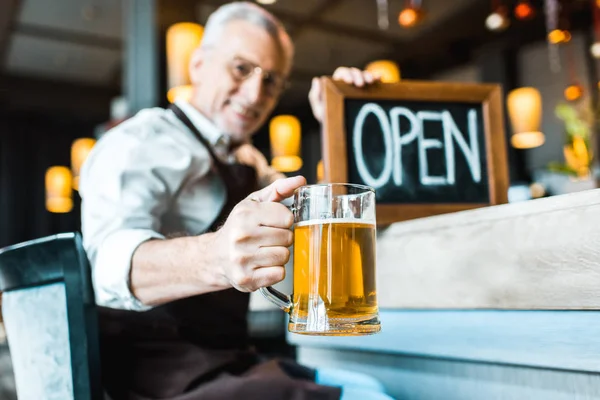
x=181, y=221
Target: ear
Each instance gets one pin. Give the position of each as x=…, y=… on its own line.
x=196, y=61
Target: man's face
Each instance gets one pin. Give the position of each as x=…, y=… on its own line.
x=239, y=80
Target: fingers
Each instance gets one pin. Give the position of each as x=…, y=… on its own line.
x=351, y=76
x=255, y=238
x=272, y=256
x=248, y=216
x=271, y=237
x=315, y=93
x=265, y=268
x=343, y=74
x=315, y=98
x=279, y=190
x=274, y=215
x=267, y=276
x=357, y=77
x=354, y=76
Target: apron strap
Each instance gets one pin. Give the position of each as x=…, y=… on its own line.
x=186, y=121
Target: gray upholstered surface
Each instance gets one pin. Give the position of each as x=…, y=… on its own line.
x=37, y=332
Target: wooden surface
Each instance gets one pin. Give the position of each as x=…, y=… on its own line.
x=495, y=141
x=539, y=254
x=562, y=340
x=334, y=140
x=488, y=95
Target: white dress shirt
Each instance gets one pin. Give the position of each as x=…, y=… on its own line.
x=149, y=178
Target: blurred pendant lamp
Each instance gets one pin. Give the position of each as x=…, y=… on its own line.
x=525, y=112
x=182, y=39
x=498, y=19
x=285, y=135
x=574, y=91
x=555, y=35
x=411, y=14
x=79, y=152
x=59, y=191
x=559, y=36
x=524, y=10
x=387, y=70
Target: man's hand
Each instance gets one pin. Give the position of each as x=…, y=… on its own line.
x=252, y=246
x=352, y=76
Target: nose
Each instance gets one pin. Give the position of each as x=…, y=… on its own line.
x=252, y=89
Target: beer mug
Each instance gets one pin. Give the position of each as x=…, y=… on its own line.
x=334, y=262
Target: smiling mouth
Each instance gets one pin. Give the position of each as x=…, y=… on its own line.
x=243, y=112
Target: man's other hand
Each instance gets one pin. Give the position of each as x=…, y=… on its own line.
x=351, y=76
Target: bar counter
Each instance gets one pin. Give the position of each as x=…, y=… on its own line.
x=499, y=302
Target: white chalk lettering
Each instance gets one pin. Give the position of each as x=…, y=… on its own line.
x=384, y=177
x=401, y=139
x=425, y=144
x=395, y=139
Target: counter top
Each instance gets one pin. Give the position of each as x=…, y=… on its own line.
x=538, y=254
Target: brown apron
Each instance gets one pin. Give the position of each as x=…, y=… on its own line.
x=198, y=348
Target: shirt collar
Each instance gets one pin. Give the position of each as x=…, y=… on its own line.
x=210, y=132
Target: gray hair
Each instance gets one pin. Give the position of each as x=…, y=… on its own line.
x=252, y=13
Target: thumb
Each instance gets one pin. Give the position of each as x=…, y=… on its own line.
x=279, y=190
x=315, y=97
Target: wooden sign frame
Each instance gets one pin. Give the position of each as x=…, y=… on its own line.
x=488, y=95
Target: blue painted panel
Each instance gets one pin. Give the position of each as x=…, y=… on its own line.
x=419, y=378
x=550, y=339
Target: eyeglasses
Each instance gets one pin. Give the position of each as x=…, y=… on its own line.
x=241, y=69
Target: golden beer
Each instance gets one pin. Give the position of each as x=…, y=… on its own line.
x=334, y=278
x=334, y=262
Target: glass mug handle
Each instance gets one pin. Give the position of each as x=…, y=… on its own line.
x=281, y=300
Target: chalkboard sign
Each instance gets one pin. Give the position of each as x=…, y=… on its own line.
x=426, y=147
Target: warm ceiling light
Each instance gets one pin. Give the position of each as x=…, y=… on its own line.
x=524, y=10
x=498, y=20
x=410, y=16
x=285, y=136
x=525, y=112
x=558, y=36
x=595, y=50
x=266, y=2
x=183, y=92
x=79, y=152
x=573, y=92
x=59, y=192
x=182, y=39
x=387, y=70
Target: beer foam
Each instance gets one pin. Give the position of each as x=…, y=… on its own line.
x=335, y=221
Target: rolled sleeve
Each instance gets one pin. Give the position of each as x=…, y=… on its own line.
x=113, y=265
x=127, y=185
